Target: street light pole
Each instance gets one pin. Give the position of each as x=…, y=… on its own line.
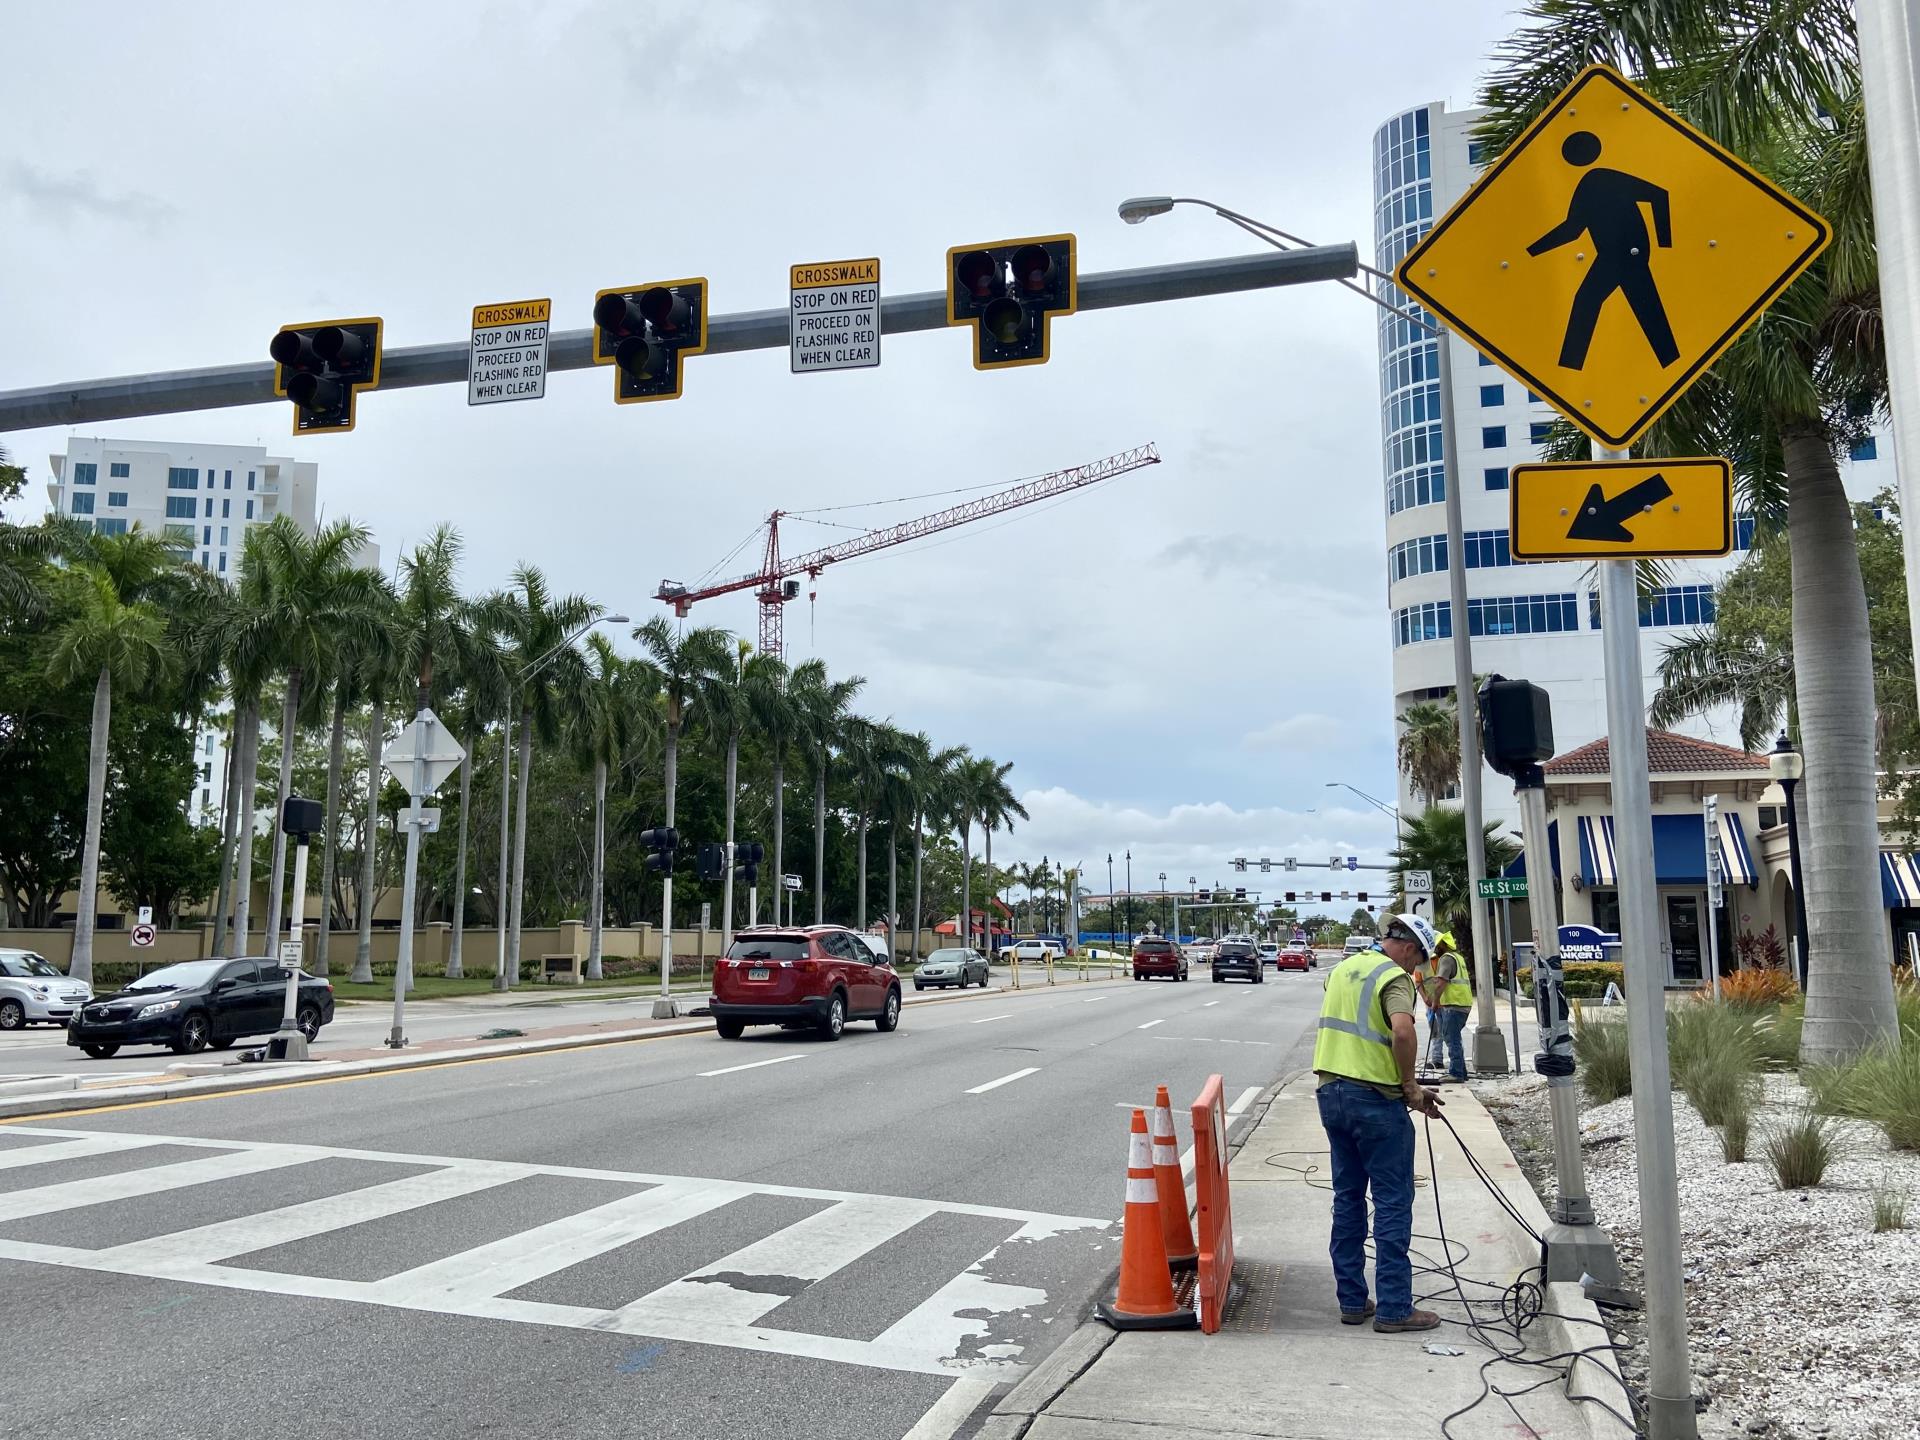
x=1788, y=768
x=1129, y=897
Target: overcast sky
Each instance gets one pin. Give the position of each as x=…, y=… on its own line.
x=1177, y=661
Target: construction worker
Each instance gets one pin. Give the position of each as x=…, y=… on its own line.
x=1436, y=1037
x=1449, y=999
x=1363, y=1054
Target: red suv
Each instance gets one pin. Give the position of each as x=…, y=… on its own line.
x=809, y=975
x=1158, y=957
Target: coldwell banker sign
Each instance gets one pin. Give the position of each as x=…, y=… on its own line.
x=1582, y=942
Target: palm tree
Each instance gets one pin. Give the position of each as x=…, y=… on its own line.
x=381, y=673
x=482, y=680
x=965, y=799
x=730, y=696
x=825, y=707
x=301, y=599
x=601, y=727
x=1429, y=748
x=1436, y=840
x=537, y=627
x=776, y=715
x=1781, y=87
x=998, y=806
x=874, y=752
x=897, y=800
x=118, y=636
x=932, y=776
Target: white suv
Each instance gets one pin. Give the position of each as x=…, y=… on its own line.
x=32, y=992
x=1030, y=951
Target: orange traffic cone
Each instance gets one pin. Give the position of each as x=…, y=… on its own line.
x=1175, y=1232
x=1145, y=1299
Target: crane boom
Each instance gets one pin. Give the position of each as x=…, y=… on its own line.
x=773, y=594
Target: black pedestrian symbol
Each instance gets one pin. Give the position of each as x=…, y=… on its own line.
x=1606, y=206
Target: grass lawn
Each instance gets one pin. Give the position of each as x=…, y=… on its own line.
x=438, y=987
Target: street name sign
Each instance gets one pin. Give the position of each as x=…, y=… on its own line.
x=508, y=357
x=1504, y=887
x=833, y=311
x=1417, y=882
x=1620, y=509
x=142, y=936
x=1610, y=256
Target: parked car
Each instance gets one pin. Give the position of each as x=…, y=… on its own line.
x=878, y=945
x=200, y=1003
x=1295, y=957
x=1233, y=957
x=1154, y=957
x=34, y=992
x=817, y=976
x=948, y=968
x=1031, y=952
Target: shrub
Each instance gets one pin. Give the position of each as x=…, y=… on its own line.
x=1736, y=1129
x=1800, y=1150
x=1765, y=951
x=1600, y=1051
x=1703, y=1033
x=1719, y=1084
x=1889, y=1206
x=1881, y=1085
x=1778, y=1035
x=1583, y=979
x=1757, y=989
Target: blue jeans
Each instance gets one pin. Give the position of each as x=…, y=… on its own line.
x=1453, y=1027
x=1371, y=1137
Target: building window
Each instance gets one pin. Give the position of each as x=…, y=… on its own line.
x=83, y=502
x=180, y=537
x=226, y=508
x=209, y=507
x=1421, y=556
x=223, y=534
x=249, y=479
x=206, y=561
x=179, y=479
x=1537, y=434
x=1424, y=485
x=179, y=507
x=1491, y=395
x=1867, y=449
x=1431, y=621
x=1493, y=437
x=110, y=527
x=1496, y=477
x=229, y=481
x=206, y=535
x=1743, y=532
x=119, y=470
x=116, y=498
x=223, y=562
x=249, y=509
x=1486, y=549
x=84, y=472
x=1476, y=154
x=1677, y=605
x=1523, y=614
x=1769, y=816
x=1532, y=399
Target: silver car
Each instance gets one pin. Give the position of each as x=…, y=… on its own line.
x=946, y=968
x=33, y=992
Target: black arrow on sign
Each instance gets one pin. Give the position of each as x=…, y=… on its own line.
x=1602, y=519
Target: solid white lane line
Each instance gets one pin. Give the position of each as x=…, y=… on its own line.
x=985, y=1018
x=1244, y=1099
x=755, y=1065
x=1004, y=1080
x=1151, y=1023
x=951, y=1410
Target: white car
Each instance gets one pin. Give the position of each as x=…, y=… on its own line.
x=1031, y=952
x=33, y=992
x=1200, y=952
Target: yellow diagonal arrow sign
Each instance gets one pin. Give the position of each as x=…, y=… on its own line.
x=1621, y=509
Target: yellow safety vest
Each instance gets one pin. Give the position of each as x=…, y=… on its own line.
x=1354, y=1038
x=1459, y=991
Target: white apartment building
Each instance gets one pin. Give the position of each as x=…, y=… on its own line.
x=1537, y=621
x=205, y=498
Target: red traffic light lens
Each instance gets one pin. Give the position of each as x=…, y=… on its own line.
x=1005, y=320
x=1032, y=268
x=665, y=310
x=978, y=274
x=617, y=313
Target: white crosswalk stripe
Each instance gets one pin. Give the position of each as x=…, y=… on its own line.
x=951, y=1331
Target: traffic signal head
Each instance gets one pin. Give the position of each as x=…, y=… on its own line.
x=1009, y=291
x=321, y=366
x=1239, y=894
x=1516, y=722
x=748, y=853
x=644, y=331
x=1290, y=897
x=713, y=861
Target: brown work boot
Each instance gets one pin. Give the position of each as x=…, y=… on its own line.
x=1357, y=1317
x=1418, y=1320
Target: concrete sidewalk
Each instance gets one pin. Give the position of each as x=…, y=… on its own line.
x=1283, y=1366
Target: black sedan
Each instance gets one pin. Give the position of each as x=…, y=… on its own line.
x=1237, y=957
x=199, y=1003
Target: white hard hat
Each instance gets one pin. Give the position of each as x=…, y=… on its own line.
x=1421, y=929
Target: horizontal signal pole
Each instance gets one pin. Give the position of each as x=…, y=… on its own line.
x=173, y=392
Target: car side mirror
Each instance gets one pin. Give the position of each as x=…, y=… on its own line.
x=226, y=984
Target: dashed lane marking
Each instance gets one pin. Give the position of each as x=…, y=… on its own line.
x=1004, y=1080
x=985, y=1018
x=1151, y=1023
x=751, y=1065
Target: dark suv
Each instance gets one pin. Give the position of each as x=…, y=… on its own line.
x=812, y=975
x=198, y=1003
x=1157, y=956
x=1237, y=957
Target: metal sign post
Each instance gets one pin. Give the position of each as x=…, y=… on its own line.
x=426, y=754
x=1715, y=886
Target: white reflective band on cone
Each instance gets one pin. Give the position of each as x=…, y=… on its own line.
x=1139, y=1152
x=1164, y=1153
x=1162, y=1123
x=1142, y=1192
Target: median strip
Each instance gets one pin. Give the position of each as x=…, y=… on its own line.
x=1004, y=1080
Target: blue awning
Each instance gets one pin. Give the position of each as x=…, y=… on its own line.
x=1517, y=867
x=1899, y=881
x=1596, y=851
x=1679, y=851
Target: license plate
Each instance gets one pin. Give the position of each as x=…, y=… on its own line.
x=758, y=972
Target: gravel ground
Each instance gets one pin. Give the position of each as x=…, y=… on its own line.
x=1803, y=1323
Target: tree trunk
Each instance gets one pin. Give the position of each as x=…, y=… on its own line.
x=820, y=839
x=329, y=838
x=598, y=903
x=229, y=819
x=243, y=856
x=500, y=981
x=81, y=967
x=987, y=830
x=965, y=918
x=919, y=853
x=893, y=888
x=277, y=868
x=779, y=883
x=456, y=966
x=726, y=884
x=363, y=942
x=672, y=781
x=520, y=849
x=1850, y=950
x=860, y=904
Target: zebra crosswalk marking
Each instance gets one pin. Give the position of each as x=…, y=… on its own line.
x=946, y=1333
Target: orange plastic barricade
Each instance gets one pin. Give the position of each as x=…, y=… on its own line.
x=1214, y=1222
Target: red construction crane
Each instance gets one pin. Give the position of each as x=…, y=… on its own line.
x=774, y=584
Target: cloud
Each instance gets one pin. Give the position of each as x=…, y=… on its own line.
x=1304, y=731
x=77, y=196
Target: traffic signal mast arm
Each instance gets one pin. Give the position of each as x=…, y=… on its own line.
x=175, y=392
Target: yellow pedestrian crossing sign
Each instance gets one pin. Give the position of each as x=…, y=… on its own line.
x=1611, y=255
x=1621, y=509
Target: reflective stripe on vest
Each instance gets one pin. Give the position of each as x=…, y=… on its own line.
x=1458, y=994
x=1353, y=1037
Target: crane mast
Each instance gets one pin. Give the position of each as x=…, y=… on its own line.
x=775, y=582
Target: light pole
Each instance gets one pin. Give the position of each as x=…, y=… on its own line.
x=1380, y=805
x=1489, y=1045
x=1163, y=896
x=502, y=980
x=1129, y=897
x=1113, y=910
x=1788, y=767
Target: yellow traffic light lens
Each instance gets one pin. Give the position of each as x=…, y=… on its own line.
x=1005, y=320
x=311, y=392
x=640, y=358
x=290, y=347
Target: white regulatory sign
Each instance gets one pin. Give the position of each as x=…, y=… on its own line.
x=508, y=359
x=833, y=315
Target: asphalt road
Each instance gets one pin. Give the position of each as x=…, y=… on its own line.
x=776, y=1236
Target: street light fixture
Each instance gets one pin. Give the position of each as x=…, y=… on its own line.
x=1788, y=767
x=1380, y=805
